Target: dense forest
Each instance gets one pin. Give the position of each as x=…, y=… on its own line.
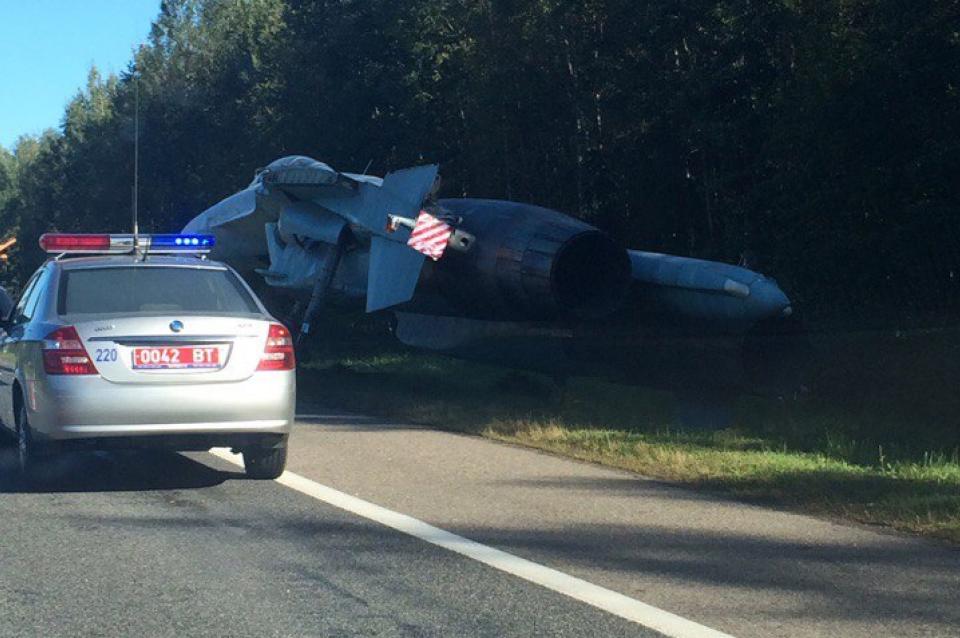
x=819, y=137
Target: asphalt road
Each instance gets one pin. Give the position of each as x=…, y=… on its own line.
x=177, y=545
x=171, y=545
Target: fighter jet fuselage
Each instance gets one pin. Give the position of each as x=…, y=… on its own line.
x=515, y=283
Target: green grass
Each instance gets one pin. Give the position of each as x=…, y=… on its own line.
x=796, y=455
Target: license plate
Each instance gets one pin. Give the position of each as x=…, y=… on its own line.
x=176, y=357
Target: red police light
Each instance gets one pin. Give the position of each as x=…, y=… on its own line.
x=74, y=243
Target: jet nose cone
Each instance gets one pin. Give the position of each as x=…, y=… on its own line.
x=767, y=301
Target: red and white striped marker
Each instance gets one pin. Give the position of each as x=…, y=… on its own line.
x=430, y=236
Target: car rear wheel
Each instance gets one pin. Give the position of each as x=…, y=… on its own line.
x=265, y=463
x=26, y=447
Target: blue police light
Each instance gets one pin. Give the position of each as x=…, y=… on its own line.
x=185, y=243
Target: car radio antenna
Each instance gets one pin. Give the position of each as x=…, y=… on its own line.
x=136, y=164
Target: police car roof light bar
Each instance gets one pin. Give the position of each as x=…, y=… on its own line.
x=72, y=243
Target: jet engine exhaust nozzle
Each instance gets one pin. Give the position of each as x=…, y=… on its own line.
x=530, y=263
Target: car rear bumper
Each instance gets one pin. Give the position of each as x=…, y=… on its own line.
x=176, y=442
x=90, y=407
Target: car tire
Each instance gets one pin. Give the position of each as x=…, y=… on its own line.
x=265, y=463
x=8, y=437
x=26, y=446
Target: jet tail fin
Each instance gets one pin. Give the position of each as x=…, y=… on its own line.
x=394, y=267
x=401, y=193
x=393, y=273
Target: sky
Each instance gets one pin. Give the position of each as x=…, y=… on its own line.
x=48, y=46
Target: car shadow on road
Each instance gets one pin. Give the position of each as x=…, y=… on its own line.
x=110, y=472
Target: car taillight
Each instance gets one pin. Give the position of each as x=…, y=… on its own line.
x=278, y=353
x=63, y=353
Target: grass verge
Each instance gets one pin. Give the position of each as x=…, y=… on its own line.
x=796, y=455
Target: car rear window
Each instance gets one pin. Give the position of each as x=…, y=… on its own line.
x=153, y=289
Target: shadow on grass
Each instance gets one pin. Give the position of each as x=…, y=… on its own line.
x=916, y=505
x=469, y=395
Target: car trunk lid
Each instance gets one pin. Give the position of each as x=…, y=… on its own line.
x=165, y=349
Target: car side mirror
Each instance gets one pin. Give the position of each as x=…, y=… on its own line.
x=6, y=309
x=6, y=306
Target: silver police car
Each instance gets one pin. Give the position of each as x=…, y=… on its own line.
x=145, y=344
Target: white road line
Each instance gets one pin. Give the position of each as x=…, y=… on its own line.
x=610, y=601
